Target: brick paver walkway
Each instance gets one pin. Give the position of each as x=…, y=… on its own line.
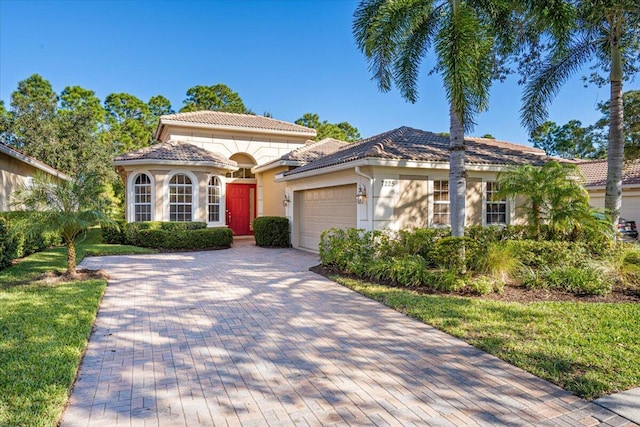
x=249, y=336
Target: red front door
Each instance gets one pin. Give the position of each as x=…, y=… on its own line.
x=241, y=203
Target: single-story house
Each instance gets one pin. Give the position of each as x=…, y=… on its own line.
x=227, y=169
x=595, y=174
x=398, y=179
x=17, y=169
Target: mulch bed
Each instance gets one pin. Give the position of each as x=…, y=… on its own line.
x=511, y=293
x=55, y=277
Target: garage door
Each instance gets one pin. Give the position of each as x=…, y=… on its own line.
x=321, y=209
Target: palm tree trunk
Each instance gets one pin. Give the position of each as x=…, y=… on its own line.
x=615, y=156
x=71, y=257
x=457, y=175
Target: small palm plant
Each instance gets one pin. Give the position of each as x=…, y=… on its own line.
x=551, y=195
x=66, y=207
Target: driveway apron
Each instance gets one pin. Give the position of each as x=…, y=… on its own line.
x=248, y=336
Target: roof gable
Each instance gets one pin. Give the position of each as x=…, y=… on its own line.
x=175, y=151
x=406, y=143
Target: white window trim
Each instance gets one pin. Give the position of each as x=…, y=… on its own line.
x=485, y=200
x=223, y=200
x=131, y=195
x=432, y=192
x=194, y=194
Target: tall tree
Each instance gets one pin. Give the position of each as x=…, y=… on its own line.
x=466, y=38
x=343, y=131
x=159, y=106
x=604, y=31
x=5, y=124
x=33, y=113
x=568, y=141
x=129, y=122
x=218, y=97
x=631, y=122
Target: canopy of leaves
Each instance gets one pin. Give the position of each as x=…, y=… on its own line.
x=631, y=123
x=343, y=131
x=218, y=97
x=569, y=141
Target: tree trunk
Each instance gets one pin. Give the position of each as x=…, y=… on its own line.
x=71, y=258
x=615, y=155
x=457, y=175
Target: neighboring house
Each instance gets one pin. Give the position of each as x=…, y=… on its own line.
x=226, y=169
x=202, y=169
x=398, y=179
x=17, y=169
x=595, y=174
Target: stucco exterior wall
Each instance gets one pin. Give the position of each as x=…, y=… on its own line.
x=630, y=208
x=263, y=148
x=13, y=174
x=160, y=176
x=271, y=193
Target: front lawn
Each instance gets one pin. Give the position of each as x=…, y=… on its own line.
x=44, y=330
x=590, y=349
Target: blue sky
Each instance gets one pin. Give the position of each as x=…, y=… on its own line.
x=284, y=57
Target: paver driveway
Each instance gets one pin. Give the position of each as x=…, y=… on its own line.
x=248, y=336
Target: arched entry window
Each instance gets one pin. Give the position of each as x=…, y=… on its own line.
x=180, y=198
x=142, y=198
x=213, y=199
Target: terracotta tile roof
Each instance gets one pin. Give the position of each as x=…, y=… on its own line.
x=595, y=172
x=314, y=149
x=406, y=143
x=237, y=120
x=175, y=151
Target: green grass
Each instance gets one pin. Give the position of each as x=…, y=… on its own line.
x=43, y=333
x=589, y=349
x=55, y=259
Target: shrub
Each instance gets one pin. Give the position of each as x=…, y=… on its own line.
x=272, y=231
x=419, y=241
x=499, y=260
x=447, y=253
x=114, y=234
x=345, y=248
x=481, y=285
x=15, y=243
x=448, y=281
x=583, y=280
x=207, y=238
x=537, y=254
x=622, y=265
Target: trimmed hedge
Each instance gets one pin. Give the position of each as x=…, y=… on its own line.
x=272, y=231
x=16, y=244
x=168, y=235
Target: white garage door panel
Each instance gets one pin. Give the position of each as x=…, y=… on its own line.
x=321, y=209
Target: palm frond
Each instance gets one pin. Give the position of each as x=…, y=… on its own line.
x=413, y=48
x=540, y=91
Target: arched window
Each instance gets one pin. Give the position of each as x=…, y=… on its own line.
x=180, y=198
x=213, y=199
x=142, y=198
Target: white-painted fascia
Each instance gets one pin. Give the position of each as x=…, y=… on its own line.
x=387, y=163
x=172, y=163
x=274, y=164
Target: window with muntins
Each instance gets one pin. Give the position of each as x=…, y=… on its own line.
x=180, y=198
x=213, y=199
x=441, y=203
x=496, y=210
x=142, y=198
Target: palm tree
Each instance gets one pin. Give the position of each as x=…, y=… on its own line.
x=396, y=35
x=552, y=195
x=609, y=33
x=66, y=207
